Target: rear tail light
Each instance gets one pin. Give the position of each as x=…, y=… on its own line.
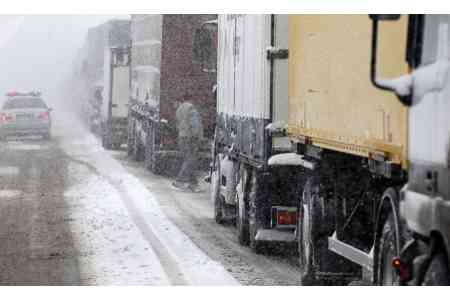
x=401, y=268
x=5, y=118
x=43, y=115
x=284, y=217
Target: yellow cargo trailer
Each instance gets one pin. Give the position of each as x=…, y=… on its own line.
x=332, y=102
x=349, y=142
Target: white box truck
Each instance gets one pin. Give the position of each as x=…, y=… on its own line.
x=114, y=110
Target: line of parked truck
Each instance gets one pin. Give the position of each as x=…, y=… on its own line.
x=308, y=145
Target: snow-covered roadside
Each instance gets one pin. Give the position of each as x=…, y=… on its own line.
x=177, y=254
x=111, y=248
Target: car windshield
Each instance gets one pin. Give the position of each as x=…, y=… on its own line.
x=18, y=103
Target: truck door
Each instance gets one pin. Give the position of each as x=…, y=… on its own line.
x=429, y=120
x=120, y=92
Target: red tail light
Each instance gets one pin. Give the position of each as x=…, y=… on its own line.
x=287, y=218
x=5, y=118
x=396, y=263
x=284, y=217
x=401, y=268
x=44, y=115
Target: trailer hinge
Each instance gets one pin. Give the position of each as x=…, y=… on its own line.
x=277, y=53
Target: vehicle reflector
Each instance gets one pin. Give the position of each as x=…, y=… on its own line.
x=401, y=269
x=44, y=115
x=5, y=118
x=284, y=217
x=396, y=263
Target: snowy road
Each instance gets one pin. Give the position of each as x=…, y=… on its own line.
x=73, y=213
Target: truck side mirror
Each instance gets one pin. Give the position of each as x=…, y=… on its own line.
x=400, y=86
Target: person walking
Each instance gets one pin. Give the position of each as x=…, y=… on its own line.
x=190, y=135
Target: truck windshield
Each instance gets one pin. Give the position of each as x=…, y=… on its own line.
x=18, y=103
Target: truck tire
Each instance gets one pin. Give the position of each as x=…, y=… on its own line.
x=130, y=138
x=215, y=193
x=148, y=158
x=255, y=212
x=106, y=143
x=315, y=224
x=438, y=273
x=305, y=237
x=242, y=213
x=388, y=250
x=157, y=165
x=137, y=153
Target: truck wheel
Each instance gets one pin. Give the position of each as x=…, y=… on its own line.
x=137, y=149
x=315, y=224
x=242, y=222
x=148, y=158
x=388, y=250
x=130, y=139
x=255, y=213
x=438, y=273
x=157, y=165
x=106, y=143
x=215, y=193
x=305, y=246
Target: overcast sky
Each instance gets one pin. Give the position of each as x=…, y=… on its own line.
x=36, y=52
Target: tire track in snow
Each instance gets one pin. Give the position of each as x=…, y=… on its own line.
x=169, y=265
x=192, y=213
x=181, y=267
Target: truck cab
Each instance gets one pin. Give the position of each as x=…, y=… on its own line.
x=424, y=200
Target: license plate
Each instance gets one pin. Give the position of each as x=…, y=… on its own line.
x=23, y=117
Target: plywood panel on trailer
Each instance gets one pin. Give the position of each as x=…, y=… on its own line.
x=331, y=98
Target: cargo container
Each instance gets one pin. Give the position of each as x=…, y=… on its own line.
x=163, y=70
x=113, y=33
x=351, y=142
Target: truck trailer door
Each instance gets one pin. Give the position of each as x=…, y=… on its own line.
x=120, y=92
